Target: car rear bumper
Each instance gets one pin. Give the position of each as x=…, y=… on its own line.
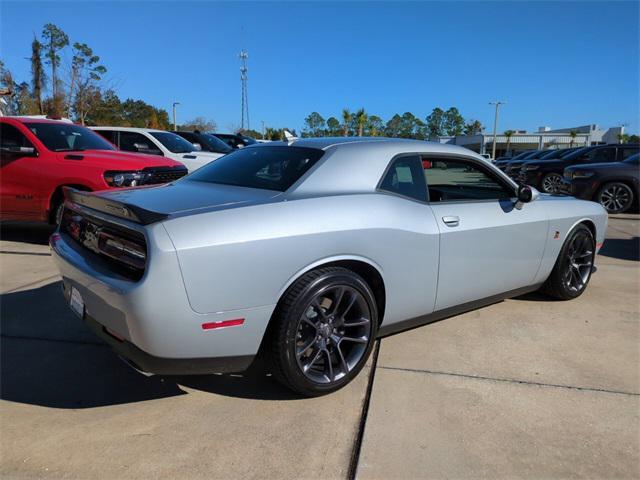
x=150, y=322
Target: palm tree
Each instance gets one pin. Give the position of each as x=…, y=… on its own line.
x=573, y=134
x=361, y=119
x=623, y=138
x=508, y=134
x=347, y=116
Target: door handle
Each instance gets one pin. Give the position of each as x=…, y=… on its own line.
x=451, y=221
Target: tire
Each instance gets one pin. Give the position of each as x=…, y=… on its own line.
x=56, y=215
x=551, y=183
x=615, y=197
x=324, y=329
x=572, y=271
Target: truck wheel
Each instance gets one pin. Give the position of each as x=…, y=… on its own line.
x=572, y=271
x=324, y=331
x=615, y=197
x=551, y=183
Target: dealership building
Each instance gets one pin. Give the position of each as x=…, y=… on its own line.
x=544, y=138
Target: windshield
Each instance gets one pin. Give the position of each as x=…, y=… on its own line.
x=267, y=168
x=551, y=154
x=577, y=153
x=521, y=155
x=633, y=159
x=66, y=137
x=174, y=143
x=214, y=144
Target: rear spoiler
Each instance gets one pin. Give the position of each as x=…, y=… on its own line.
x=112, y=207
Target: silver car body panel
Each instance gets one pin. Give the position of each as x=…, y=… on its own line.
x=230, y=252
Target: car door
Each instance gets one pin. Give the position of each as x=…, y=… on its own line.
x=20, y=173
x=487, y=245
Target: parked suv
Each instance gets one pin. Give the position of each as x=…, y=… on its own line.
x=235, y=141
x=614, y=185
x=546, y=175
x=157, y=142
x=40, y=156
x=205, y=142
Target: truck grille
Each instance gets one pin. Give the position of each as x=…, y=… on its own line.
x=155, y=175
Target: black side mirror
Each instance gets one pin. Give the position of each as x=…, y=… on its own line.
x=525, y=194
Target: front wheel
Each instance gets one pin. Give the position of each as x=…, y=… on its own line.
x=615, y=197
x=551, y=183
x=324, y=330
x=572, y=271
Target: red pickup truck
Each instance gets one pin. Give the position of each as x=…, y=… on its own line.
x=40, y=156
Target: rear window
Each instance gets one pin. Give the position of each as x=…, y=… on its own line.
x=66, y=137
x=267, y=168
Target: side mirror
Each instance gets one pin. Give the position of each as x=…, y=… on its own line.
x=526, y=194
x=198, y=147
x=141, y=146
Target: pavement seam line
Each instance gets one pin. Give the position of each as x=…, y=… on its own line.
x=58, y=340
x=36, y=282
x=357, y=445
x=12, y=252
x=511, y=380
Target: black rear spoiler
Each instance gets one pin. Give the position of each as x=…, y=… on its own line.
x=112, y=207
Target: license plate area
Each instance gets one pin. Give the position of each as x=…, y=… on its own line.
x=76, y=302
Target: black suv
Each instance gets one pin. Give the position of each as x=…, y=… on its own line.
x=546, y=175
x=205, y=141
x=235, y=141
x=614, y=185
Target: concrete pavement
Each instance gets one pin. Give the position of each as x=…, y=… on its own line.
x=524, y=388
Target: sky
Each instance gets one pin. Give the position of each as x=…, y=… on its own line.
x=557, y=64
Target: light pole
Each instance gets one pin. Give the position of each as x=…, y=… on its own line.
x=497, y=103
x=262, y=129
x=175, y=123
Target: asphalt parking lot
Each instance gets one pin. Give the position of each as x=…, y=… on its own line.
x=524, y=388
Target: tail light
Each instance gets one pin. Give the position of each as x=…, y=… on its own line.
x=125, y=251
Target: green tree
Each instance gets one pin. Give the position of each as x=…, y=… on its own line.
x=393, y=128
x=361, y=120
x=54, y=40
x=375, y=126
x=313, y=125
x=410, y=126
x=333, y=127
x=347, y=118
x=508, y=134
x=200, y=123
x=634, y=138
x=85, y=72
x=473, y=127
x=573, y=134
x=38, y=77
x=435, y=123
x=453, y=122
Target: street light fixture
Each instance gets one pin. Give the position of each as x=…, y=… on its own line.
x=497, y=103
x=175, y=123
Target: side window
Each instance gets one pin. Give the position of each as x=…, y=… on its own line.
x=11, y=137
x=136, y=142
x=460, y=180
x=109, y=135
x=601, y=155
x=404, y=177
x=626, y=152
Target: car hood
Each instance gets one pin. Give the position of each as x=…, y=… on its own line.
x=117, y=159
x=188, y=196
x=599, y=166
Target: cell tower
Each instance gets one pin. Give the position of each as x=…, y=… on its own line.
x=243, y=79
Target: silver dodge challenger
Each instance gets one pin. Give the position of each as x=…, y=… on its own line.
x=303, y=253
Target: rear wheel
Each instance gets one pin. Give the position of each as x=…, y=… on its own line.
x=572, y=271
x=324, y=331
x=551, y=183
x=615, y=197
